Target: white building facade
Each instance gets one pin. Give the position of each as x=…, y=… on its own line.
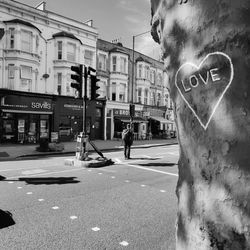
x=37, y=50
x=153, y=107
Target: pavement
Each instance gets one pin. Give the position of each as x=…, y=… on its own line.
x=10, y=152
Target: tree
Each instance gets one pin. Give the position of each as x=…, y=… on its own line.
x=206, y=49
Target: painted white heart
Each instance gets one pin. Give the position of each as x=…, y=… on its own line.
x=203, y=87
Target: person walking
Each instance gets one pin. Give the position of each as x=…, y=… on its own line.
x=127, y=137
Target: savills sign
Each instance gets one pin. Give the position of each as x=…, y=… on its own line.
x=26, y=103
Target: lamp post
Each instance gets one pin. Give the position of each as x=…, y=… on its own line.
x=133, y=64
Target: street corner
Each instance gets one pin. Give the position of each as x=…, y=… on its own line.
x=90, y=163
x=100, y=162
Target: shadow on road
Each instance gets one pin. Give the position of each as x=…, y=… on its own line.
x=44, y=180
x=6, y=219
x=158, y=164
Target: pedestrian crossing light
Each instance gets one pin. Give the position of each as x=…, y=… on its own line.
x=94, y=87
x=77, y=77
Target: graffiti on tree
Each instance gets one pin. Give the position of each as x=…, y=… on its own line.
x=203, y=87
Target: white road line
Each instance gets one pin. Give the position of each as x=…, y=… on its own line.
x=29, y=193
x=151, y=169
x=10, y=182
x=55, y=207
x=19, y=187
x=113, y=177
x=95, y=229
x=117, y=160
x=163, y=191
x=143, y=185
x=127, y=181
x=73, y=217
x=124, y=243
x=40, y=199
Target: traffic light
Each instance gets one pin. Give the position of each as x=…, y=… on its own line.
x=132, y=110
x=78, y=79
x=94, y=87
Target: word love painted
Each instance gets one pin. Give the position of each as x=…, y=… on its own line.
x=203, y=87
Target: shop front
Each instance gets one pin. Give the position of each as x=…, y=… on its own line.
x=68, y=118
x=121, y=118
x=25, y=118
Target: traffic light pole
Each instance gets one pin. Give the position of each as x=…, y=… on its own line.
x=85, y=109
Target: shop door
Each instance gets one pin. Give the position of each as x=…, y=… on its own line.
x=98, y=124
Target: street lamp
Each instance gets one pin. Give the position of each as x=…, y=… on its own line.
x=133, y=64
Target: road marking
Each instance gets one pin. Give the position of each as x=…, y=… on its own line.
x=143, y=185
x=29, y=193
x=163, y=191
x=73, y=217
x=95, y=229
x=151, y=169
x=113, y=177
x=127, y=181
x=100, y=173
x=19, y=187
x=55, y=207
x=40, y=199
x=124, y=243
x=10, y=182
x=89, y=170
x=117, y=160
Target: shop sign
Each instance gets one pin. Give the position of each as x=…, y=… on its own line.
x=26, y=103
x=124, y=112
x=73, y=106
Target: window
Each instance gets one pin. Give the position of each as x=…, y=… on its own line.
x=158, y=99
x=59, y=50
x=140, y=71
x=102, y=90
x=11, y=71
x=71, y=52
x=102, y=62
x=139, y=95
x=159, y=79
x=122, y=93
x=166, y=99
x=153, y=98
x=113, y=91
x=59, y=83
x=114, y=63
x=123, y=65
x=146, y=96
x=12, y=38
x=147, y=72
x=37, y=42
x=88, y=57
x=26, y=40
x=152, y=76
x=26, y=77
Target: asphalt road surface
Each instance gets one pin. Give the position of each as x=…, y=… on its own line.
x=129, y=205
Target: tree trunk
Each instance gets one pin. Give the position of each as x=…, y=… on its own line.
x=206, y=47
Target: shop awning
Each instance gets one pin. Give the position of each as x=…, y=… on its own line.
x=127, y=119
x=161, y=119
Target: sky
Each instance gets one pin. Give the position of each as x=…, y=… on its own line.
x=114, y=19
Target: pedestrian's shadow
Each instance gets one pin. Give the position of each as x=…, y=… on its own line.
x=6, y=219
x=158, y=164
x=44, y=180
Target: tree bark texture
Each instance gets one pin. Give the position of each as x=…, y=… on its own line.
x=206, y=49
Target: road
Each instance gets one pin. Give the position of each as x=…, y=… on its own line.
x=129, y=205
